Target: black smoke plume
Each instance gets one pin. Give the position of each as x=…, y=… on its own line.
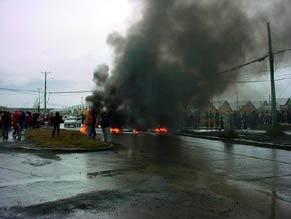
x=174, y=55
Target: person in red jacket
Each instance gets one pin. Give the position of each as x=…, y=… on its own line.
x=15, y=126
x=91, y=123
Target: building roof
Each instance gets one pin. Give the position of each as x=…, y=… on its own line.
x=225, y=107
x=264, y=105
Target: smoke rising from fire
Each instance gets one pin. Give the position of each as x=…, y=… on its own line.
x=173, y=56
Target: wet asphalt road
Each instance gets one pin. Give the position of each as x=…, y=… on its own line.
x=148, y=176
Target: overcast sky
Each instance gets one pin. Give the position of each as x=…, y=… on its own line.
x=68, y=38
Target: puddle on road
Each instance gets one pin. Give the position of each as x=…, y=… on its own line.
x=50, y=156
x=37, y=162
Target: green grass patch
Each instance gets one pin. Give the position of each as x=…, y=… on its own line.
x=66, y=139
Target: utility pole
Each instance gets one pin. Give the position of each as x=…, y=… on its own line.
x=45, y=77
x=273, y=95
x=237, y=102
x=38, y=107
x=82, y=112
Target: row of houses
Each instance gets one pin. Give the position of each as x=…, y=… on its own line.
x=283, y=104
x=239, y=114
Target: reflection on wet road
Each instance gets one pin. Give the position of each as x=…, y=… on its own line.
x=256, y=175
x=149, y=176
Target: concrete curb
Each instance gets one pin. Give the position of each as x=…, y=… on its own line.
x=64, y=150
x=245, y=142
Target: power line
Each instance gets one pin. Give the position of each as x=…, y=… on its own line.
x=253, y=61
x=50, y=92
x=265, y=71
x=69, y=92
x=256, y=81
x=245, y=64
x=18, y=90
x=281, y=51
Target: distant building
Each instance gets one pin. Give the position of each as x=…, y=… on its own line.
x=265, y=107
x=286, y=106
x=249, y=107
x=209, y=108
x=225, y=107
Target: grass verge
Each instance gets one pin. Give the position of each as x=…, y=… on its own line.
x=66, y=139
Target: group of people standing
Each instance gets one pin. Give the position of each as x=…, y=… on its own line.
x=16, y=120
x=93, y=119
x=21, y=120
x=217, y=120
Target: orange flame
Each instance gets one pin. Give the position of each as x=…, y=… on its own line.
x=84, y=129
x=136, y=131
x=115, y=130
x=161, y=130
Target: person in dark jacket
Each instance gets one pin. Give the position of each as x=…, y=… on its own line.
x=105, y=125
x=6, y=124
x=93, y=125
x=57, y=120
